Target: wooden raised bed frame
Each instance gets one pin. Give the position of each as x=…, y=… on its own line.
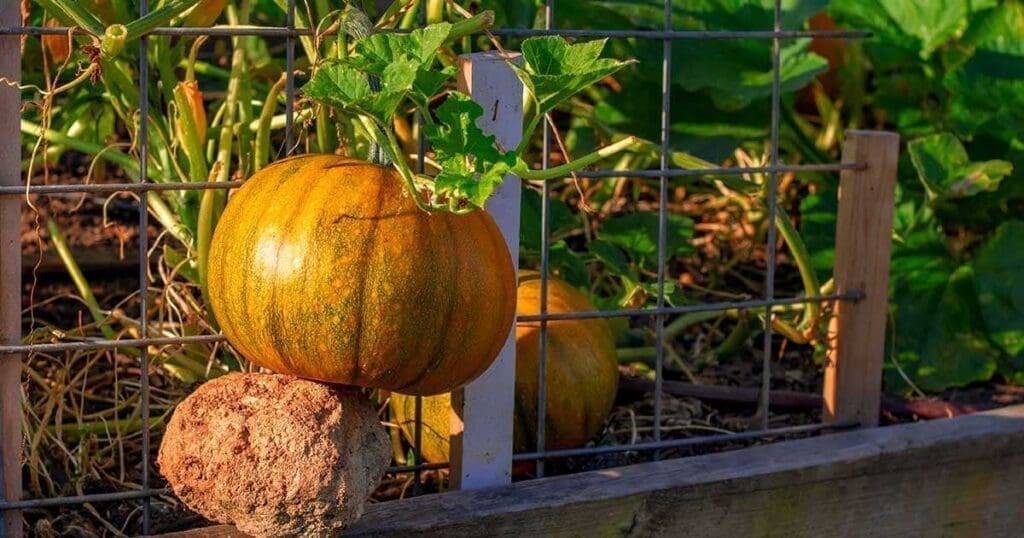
x=962, y=476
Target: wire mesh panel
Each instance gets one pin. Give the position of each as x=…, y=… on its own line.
x=659, y=314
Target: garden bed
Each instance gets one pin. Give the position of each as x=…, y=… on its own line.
x=960, y=476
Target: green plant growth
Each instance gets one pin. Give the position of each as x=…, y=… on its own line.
x=948, y=75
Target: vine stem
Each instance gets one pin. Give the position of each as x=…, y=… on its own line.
x=84, y=289
x=802, y=258
x=561, y=171
x=262, y=147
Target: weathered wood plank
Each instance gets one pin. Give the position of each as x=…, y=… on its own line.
x=853, y=374
x=962, y=476
x=955, y=477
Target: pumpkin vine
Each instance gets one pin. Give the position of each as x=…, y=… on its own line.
x=387, y=72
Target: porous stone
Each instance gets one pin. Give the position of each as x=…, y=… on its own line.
x=275, y=455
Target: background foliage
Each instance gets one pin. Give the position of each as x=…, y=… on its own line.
x=948, y=75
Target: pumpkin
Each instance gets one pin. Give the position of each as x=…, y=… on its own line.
x=323, y=267
x=582, y=378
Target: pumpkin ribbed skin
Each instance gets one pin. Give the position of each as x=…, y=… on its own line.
x=582, y=378
x=323, y=267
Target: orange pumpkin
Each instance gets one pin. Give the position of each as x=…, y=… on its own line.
x=582, y=378
x=323, y=267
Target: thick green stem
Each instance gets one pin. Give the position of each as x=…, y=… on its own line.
x=74, y=431
x=108, y=153
x=158, y=17
x=263, y=128
x=680, y=324
x=435, y=11
x=75, y=13
x=213, y=200
x=735, y=340
x=470, y=26
x=84, y=289
x=566, y=169
x=802, y=258
x=397, y=158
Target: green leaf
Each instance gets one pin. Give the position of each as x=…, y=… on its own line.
x=342, y=86
x=563, y=220
x=737, y=73
x=909, y=24
x=940, y=339
x=554, y=70
x=472, y=166
x=637, y=234
x=818, y=226
x=568, y=264
x=988, y=91
x=1000, y=270
x=417, y=49
x=946, y=171
x=611, y=256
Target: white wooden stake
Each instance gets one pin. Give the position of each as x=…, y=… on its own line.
x=482, y=412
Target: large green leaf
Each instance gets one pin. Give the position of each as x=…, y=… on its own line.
x=563, y=220
x=735, y=73
x=712, y=80
x=637, y=234
x=554, y=70
x=947, y=172
x=472, y=166
x=910, y=24
x=416, y=49
x=345, y=87
x=988, y=90
x=940, y=339
x=1000, y=270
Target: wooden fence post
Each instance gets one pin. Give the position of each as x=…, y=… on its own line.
x=856, y=335
x=10, y=266
x=481, y=430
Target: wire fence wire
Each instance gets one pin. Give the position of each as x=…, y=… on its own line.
x=663, y=174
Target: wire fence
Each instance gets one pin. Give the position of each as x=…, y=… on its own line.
x=659, y=313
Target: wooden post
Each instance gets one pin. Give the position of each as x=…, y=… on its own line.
x=10, y=266
x=481, y=430
x=853, y=375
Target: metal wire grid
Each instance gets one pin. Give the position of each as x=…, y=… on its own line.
x=290, y=33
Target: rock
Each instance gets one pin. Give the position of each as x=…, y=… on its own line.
x=275, y=455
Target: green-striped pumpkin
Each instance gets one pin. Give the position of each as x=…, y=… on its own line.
x=323, y=267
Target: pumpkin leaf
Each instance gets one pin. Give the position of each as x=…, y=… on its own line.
x=611, y=256
x=940, y=338
x=417, y=50
x=637, y=234
x=919, y=26
x=342, y=86
x=948, y=173
x=555, y=70
x=472, y=165
x=1000, y=271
